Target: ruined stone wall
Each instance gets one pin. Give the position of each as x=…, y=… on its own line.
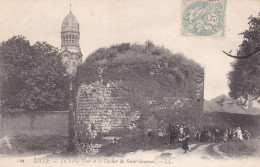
x=101, y=109
x=173, y=110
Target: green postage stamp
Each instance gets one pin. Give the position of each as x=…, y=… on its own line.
x=203, y=18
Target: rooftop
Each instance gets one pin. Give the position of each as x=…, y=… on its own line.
x=226, y=104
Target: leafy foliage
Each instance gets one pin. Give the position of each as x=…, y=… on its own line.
x=139, y=59
x=32, y=77
x=244, y=78
x=149, y=69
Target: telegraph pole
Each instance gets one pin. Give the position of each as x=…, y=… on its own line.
x=71, y=117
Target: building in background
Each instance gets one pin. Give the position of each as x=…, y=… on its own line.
x=70, y=48
x=223, y=111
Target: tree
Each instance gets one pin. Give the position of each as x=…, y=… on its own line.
x=244, y=78
x=32, y=77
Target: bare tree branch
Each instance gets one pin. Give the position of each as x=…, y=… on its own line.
x=243, y=57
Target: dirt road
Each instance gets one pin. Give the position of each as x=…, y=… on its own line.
x=203, y=154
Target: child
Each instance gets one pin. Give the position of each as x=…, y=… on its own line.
x=225, y=137
x=234, y=135
x=160, y=134
x=197, y=135
x=246, y=135
x=209, y=137
x=230, y=134
x=149, y=132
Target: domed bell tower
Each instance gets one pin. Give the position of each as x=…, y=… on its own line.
x=70, y=48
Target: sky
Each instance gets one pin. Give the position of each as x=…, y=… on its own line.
x=107, y=22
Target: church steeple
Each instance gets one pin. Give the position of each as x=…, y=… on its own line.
x=70, y=33
x=70, y=48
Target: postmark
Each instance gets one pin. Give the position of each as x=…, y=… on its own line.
x=203, y=18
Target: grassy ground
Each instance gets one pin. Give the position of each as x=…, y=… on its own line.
x=248, y=148
x=134, y=142
x=29, y=145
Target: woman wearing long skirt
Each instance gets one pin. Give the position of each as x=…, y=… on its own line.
x=184, y=138
x=239, y=134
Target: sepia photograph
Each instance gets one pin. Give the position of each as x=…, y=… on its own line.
x=130, y=83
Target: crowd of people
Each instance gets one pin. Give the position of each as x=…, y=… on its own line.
x=183, y=134
x=216, y=136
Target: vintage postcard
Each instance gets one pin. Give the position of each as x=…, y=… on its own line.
x=129, y=83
